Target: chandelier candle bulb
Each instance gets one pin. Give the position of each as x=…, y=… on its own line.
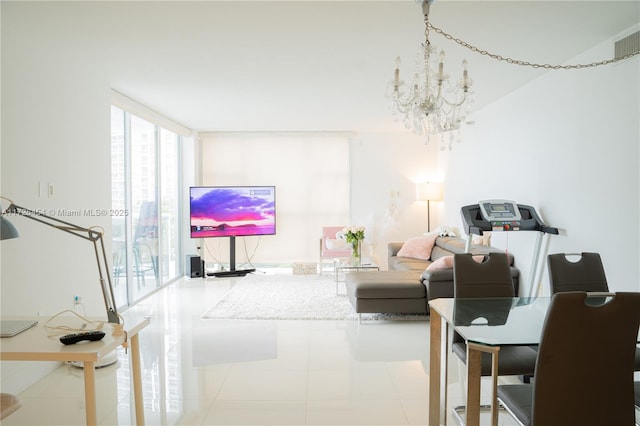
x=465, y=76
x=396, y=75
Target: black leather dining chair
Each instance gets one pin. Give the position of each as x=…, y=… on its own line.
x=584, y=273
x=561, y=393
x=636, y=392
x=490, y=278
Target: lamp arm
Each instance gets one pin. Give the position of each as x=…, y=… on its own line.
x=89, y=234
x=106, y=285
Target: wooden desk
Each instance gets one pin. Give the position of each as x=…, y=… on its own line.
x=34, y=345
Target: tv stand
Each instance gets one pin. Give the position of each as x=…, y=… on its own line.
x=232, y=272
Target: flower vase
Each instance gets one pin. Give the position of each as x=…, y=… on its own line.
x=356, y=253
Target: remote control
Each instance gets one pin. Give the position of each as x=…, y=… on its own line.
x=70, y=339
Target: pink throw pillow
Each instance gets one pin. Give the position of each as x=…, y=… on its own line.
x=446, y=262
x=418, y=247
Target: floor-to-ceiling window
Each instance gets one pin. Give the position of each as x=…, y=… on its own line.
x=170, y=206
x=119, y=223
x=145, y=185
x=144, y=207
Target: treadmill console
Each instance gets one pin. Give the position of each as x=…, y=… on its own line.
x=503, y=215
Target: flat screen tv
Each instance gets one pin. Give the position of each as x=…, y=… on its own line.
x=232, y=211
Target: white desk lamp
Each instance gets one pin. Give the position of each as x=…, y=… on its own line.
x=8, y=231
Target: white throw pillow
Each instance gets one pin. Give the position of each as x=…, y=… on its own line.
x=336, y=244
x=481, y=240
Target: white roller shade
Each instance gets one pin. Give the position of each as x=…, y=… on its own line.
x=311, y=175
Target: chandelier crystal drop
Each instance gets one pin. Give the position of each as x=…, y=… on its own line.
x=431, y=104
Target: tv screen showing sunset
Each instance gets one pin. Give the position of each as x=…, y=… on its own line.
x=226, y=211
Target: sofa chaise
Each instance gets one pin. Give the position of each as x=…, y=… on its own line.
x=411, y=282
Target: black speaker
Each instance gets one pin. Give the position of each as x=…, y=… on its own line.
x=195, y=266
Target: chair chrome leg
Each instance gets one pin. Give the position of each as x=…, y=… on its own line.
x=461, y=408
x=485, y=407
x=513, y=416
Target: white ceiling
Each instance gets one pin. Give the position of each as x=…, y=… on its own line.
x=324, y=65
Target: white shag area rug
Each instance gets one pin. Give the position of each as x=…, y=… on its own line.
x=284, y=297
x=290, y=297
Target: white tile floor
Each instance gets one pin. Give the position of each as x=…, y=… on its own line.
x=225, y=372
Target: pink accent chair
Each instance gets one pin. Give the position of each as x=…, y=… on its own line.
x=331, y=247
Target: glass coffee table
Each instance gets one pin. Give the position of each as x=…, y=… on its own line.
x=343, y=266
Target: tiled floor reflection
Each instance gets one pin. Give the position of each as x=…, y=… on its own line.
x=225, y=372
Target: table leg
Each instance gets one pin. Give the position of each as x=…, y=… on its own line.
x=474, y=370
x=90, y=392
x=474, y=367
x=435, y=366
x=494, y=378
x=445, y=349
x=136, y=372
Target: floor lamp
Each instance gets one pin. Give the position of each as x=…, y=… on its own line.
x=429, y=191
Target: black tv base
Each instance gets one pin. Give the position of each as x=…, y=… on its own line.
x=233, y=273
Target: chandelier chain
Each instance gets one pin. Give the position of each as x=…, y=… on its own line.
x=427, y=25
x=525, y=63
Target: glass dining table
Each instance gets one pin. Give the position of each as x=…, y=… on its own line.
x=486, y=325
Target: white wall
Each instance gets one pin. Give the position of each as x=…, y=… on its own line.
x=55, y=130
x=384, y=170
x=566, y=144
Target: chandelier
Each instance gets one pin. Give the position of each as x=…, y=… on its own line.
x=431, y=104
